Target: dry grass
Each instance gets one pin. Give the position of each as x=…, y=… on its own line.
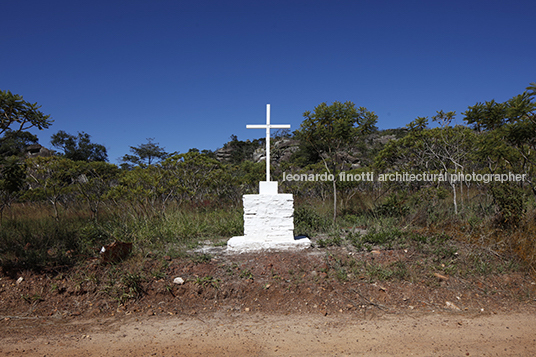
x=54, y=241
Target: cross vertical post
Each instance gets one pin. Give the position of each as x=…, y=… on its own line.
x=267, y=142
x=268, y=126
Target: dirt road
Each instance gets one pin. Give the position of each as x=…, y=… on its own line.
x=248, y=334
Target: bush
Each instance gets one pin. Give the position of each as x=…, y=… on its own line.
x=37, y=244
x=393, y=206
x=307, y=221
x=509, y=200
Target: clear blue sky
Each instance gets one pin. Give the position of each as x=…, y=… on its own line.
x=191, y=73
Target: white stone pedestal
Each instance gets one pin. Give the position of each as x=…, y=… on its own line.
x=268, y=222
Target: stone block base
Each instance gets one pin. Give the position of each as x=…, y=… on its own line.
x=268, y=223
x=269, y=217
x=245, y=244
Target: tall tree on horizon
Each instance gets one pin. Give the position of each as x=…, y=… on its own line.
x=330, y=130
x=79, y=148
x=144, y=155
x=17, y=115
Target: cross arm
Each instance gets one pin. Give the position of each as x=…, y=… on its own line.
x=271, y=126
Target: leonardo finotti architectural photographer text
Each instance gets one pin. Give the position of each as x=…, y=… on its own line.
x=408, y=177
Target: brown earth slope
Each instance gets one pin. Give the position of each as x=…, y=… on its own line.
x=318, y=302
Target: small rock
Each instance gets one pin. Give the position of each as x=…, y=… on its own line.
x=115, y=252
x=441, y=277
x=451, y=306
x=246, y=309
x=178, y=281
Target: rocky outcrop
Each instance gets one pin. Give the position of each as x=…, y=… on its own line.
x=224, y=154
x=259, y=154
x=282, y=149
x=38, y=150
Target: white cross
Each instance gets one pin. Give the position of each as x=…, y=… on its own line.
x=268, y=126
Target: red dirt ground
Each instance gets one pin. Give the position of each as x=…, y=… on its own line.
x=288, y=304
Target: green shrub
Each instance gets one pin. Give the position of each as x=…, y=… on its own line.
x=509, y=200
x=381, y=237
x=393, y=206
x=330, y=242
x=307, y=221
x=36, y=244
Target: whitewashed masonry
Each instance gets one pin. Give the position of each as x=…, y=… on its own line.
x=268, y=222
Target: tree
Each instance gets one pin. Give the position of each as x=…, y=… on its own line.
x=94, y=180
x=450, y=147
x=445, y=149
x=14, y=143
x=12, y=179
x=145, y=155
x=51, y=179
x=15, y=111
x=508, y=142
x=199, y=177
x=237, y=151
x=329, y=133
x=192, y=178
x=79, y=148
x=143, y=188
